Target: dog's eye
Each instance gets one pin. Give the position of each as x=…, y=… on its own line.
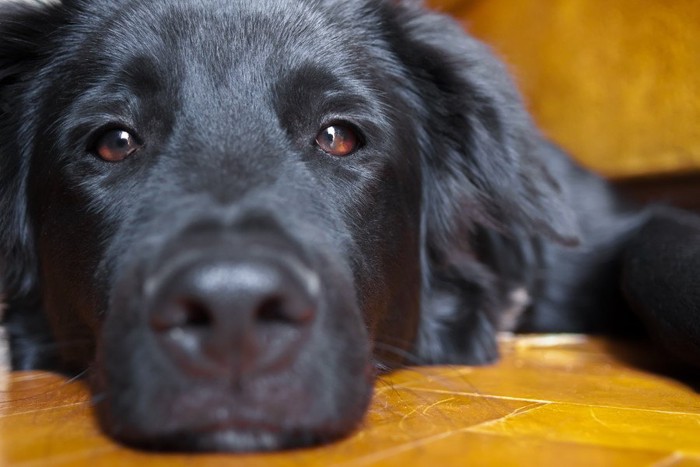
x=338, y=140
x=116, y=145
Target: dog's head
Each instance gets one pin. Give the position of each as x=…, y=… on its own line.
x=233, y=212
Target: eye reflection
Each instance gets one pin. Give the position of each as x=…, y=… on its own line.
x=338, y=140
x=116, y=145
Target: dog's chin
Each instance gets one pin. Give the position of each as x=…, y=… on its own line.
x=236, y=424
x=234, y=440
x=259, y=419
x=244, y=431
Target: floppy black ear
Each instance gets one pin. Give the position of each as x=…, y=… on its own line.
x=484, y=169
x=26, y=31
x=482, y=146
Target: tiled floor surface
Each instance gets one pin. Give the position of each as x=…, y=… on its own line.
x=552, y=400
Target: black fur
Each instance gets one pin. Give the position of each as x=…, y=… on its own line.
x=453, y=211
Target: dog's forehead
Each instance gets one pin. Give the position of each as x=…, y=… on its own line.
x=230, y=29
x=191, y=67
x=215, y=58
x=221, y=43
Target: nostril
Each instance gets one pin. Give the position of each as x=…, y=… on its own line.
x=195, y=314
x=277, y=310
x=183, y=313
x=272, y=310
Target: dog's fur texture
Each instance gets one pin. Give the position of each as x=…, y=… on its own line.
x=452, y=220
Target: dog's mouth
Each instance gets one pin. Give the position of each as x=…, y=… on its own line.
x=292, y=415
x=240, y=440
x=232, y=345
x=217, y=428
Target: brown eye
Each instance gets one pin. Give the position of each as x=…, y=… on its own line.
x=338, y=140
x=116, y=145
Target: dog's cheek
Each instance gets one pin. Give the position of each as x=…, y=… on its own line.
x=389, y=276
x=70, y=309
x=71, y=246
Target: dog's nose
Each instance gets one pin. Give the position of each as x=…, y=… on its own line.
x=227, y=317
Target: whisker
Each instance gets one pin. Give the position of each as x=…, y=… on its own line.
x=405, y=355
x=78, y=376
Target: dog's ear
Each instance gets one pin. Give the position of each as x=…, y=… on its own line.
x=484, y=175
x=488, y=158
x=26, y=30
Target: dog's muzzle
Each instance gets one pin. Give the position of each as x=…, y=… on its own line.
x=233, y=309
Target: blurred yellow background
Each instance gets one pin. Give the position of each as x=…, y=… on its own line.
x=616, y=83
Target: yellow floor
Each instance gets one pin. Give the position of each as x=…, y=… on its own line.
x=552, y=400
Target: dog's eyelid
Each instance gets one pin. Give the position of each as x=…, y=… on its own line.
x=339, y=139
x=114, y=144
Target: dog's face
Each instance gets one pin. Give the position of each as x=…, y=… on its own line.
x=233, y=212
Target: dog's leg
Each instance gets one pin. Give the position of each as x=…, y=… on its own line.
x=661, y=280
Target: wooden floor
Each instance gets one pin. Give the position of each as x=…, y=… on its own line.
x=553, y=400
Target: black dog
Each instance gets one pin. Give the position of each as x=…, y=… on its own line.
x=231, y=214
